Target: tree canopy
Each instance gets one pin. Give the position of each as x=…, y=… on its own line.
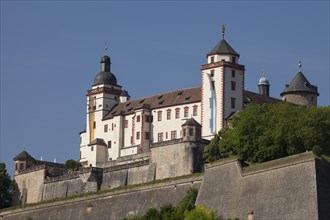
x=6, y=187
x=72, y=165
x=265, y=132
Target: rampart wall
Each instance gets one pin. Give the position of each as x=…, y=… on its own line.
x=281, y=189
x=115, y=205
x=296, y=187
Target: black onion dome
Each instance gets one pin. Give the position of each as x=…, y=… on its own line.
x=106, y=78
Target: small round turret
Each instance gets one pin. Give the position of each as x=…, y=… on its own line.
x=263, y=85
x=263, y=80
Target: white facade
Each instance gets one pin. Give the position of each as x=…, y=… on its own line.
x=118, y=127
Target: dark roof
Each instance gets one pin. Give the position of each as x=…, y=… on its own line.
x=191, y=122
x=300, y=84
x=105, y=59
x=23, y=156
x=223, y=48
x=252, y=97
x=124, y=93
x=98, y=141
x=106, y=78
x=83, y=131
x=178, y=97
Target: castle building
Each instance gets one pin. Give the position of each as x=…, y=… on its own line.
x=161, y=136
x=117, y=126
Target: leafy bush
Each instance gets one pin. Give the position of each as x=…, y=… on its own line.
x=185, y=210
x=201, y=213
x=72, y=165
x=317, y=150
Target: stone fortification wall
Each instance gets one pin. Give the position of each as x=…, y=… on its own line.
x=176, y=158
x=115, y=205
x=281, y=189
x=323, y=188
x=128, y=174
x=86, y=180
x=296, y=187
x=29, y=186
x=125, y=160
x=93, y=179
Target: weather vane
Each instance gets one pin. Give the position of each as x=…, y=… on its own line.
x=223, y=31
x=105, y=49
x=299, y=65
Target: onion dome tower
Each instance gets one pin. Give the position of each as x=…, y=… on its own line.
x=263, y=85
x=105, y=76
x=300, y=91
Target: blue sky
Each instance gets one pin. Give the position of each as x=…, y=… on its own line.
x=50, y=53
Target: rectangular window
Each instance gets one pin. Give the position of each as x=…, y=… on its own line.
x=147, y=134
x=138, y=118
x=159, y=115
x=94, y=124
x=173, y=135
x=177, y=113
x=233, y=104
x=168, y=114
x=126, y=123
x=191, y=131
x=212, y=59
x=109, y=144
x=195, y=110
x=186, y=111
x=15, y=166
x=233, y=73
x=160, y=137
x=184, y=132
x=21, y=166
x=212, y=73
x=234, y=59
x=233, y=85
x=138, y=135
x=105, y=128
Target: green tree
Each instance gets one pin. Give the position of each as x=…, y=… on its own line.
x=201, y=213
x=72, y=165
x=152, y=214
x=186, y=204
x=266, y=132
x=6, y=187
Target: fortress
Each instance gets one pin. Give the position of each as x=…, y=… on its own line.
x=163, y=136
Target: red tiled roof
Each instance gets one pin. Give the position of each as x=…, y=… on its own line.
x=178, y=97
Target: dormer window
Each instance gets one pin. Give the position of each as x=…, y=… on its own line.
x=212, y=59
x=234, y=59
